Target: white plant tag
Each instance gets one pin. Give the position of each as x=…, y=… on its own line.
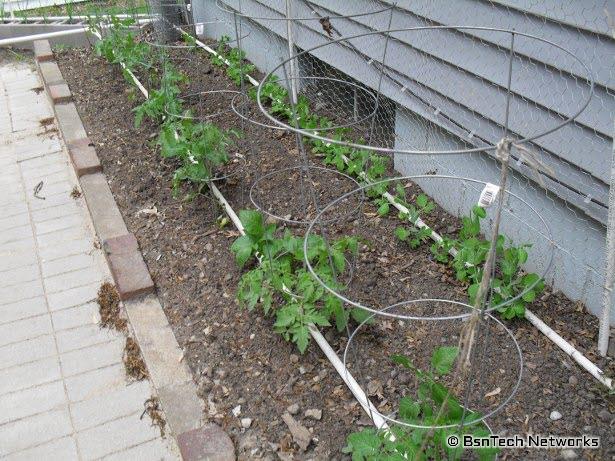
x=488, y=195
x=199, y=29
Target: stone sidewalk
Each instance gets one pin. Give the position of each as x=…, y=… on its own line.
x=63, y=390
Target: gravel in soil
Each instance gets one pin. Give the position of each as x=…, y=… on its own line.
x=245, y=371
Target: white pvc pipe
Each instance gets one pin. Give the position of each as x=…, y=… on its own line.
x=77, y=17
x=569, y=349
x=45, y=36
x=79, y=29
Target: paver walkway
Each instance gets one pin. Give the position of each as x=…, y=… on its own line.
x=63, y=390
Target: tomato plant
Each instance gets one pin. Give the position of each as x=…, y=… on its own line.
x=281, y=284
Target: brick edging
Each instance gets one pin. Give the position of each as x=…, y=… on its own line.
x=168, y=373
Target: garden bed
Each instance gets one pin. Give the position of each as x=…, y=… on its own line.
x=235, y=356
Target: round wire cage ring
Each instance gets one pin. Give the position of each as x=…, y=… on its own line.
x=438, y=314
x=198, y=105
x=510, y=101
x=495, y=351
x=330, y=97
x=305, y=178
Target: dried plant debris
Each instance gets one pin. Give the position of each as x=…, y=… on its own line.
x=37, y=90
x=109, y=307
x=152, y=408
x=45, y=122
x=133, y=361
x=75, y=193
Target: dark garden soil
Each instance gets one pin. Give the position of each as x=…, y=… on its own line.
x=237, y=359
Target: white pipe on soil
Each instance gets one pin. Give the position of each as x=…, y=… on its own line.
x=583, y=361
x=569, y=349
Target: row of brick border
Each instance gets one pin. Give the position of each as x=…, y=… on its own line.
x=169, y=374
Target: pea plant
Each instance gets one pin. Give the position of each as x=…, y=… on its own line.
x=281, y=284
x=234, y=58
x=509, y=281
x=433, y=405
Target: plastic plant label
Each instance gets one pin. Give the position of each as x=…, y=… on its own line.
x=488, y=195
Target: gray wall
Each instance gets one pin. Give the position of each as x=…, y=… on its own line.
x=450, y=91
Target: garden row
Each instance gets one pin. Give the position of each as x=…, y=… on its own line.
x=280, y=283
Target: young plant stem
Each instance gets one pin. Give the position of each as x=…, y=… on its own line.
x=469, y=331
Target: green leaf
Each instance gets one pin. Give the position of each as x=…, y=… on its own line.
x=408, y=409
x=529, y=296
x=422, y=200
x=361, y=315
x=285, y=317
x=242, y=247
x=383, y=209
x=480, y=212
x=252, y=222
x=301, y=337
x=443, y=358
x=363, y=445
x=402, y=233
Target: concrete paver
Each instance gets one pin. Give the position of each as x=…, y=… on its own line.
x=63, y=390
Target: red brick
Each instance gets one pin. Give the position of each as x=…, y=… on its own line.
x=127, y=266
x=60, y=93
x=84, y=158
x=42, y=51
x=209, y=443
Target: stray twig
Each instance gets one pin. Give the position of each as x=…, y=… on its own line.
x=37, y=189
